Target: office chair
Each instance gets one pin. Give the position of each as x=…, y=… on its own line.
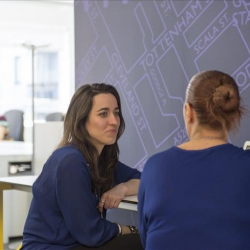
x=15, y=121
x=57, y=116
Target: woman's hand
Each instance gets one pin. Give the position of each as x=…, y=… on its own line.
x=112, y=198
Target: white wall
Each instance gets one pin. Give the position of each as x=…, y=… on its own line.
x=38, y=23
x=49, y=134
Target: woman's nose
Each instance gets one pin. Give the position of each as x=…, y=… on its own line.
x=114, y=119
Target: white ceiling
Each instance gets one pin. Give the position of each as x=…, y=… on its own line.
x=35, y=22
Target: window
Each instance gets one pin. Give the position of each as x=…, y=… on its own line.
x=46, y=75
x=17, y=70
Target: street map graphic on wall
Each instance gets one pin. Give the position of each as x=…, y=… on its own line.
x=149, y=50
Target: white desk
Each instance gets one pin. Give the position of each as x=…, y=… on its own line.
x=24, y=183
x=15, y=203
x=13, y=151
x=129, y=203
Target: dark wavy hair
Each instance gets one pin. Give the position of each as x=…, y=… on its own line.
x=75, y=132
x=215, y=97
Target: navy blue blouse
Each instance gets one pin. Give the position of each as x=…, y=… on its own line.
x=196, y=199
x=63, y=211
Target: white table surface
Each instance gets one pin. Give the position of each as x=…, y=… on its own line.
x=25, y=183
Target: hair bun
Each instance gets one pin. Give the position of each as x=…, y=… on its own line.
x=225, y=97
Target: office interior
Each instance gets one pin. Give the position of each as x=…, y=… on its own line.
x=148, y=50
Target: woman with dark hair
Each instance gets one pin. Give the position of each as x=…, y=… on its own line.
x=196, y=195
x=83, y=178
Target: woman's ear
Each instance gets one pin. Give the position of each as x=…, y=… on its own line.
x=188, y=112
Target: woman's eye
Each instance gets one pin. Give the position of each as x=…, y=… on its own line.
x=117, y=113
x=103, y=114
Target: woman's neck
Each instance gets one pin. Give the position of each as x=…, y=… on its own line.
x=205, y=139
x=209, y=135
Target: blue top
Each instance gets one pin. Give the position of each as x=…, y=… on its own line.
x=63, y=211
x=196, y=200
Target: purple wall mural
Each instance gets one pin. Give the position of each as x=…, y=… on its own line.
x=149, y=50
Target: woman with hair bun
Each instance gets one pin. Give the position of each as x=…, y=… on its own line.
x=197, y=195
